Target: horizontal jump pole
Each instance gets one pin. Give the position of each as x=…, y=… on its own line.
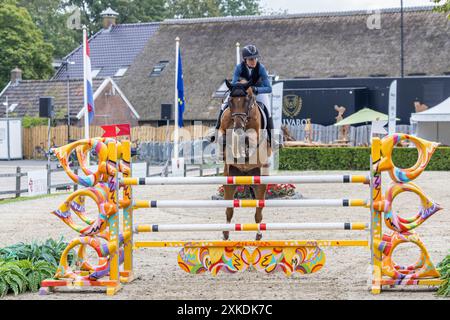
x=249, y=227
x=246, y=180
x=250, y=203
x=251, y=243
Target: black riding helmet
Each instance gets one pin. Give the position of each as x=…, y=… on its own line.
x=249, y=52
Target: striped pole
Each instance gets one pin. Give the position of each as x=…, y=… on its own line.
x=249, y=227
x=250, y=203
x=251, y=243
x=246, y=180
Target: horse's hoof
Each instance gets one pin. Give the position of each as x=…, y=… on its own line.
x=259, y=236
x=226, y=235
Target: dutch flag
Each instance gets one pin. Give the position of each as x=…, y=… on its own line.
x=89, y=95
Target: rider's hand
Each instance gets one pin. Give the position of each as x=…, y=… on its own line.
x=255, y=90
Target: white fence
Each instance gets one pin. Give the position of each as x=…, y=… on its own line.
x=358, y=136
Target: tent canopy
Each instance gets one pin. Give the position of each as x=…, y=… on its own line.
x=439, y=113
x=362, y=116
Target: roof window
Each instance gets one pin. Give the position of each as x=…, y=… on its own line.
x=158, y=69
x=121, y=72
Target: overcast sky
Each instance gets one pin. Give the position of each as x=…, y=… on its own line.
x=300, y=6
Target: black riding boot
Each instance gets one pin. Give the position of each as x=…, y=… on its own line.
x=269, y=129
x=212, y=137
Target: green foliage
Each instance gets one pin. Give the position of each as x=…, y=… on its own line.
x=212, y=8
x=444, y=269
x=50, y=16
x=129, y=11
x=443, y=6
x=49, y=251
x=36, y=272
x=354, y=159
x=22, y=45
x=22, y=275
x=12, y=278
x=24, y=266
x=29, y=122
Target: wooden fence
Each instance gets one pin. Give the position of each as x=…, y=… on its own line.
x=35, y=139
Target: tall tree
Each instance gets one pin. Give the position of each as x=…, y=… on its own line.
x=51, y=18
x=443, y=6
x=22, y=45
x=130, y=11
x=212, y=8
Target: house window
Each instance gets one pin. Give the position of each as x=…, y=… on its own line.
x=158, y=69
x=95, y=72
x=121, y=72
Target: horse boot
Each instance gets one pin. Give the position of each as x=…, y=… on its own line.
x=274, y=142
x=213, y=136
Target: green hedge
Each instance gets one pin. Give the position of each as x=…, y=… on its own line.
x=354, y=158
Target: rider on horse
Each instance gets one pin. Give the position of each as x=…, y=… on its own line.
x=252, y=70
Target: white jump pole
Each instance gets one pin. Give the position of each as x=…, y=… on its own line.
x=246, y=180
x=238, y=53
x=249, y=227
x=303, y=203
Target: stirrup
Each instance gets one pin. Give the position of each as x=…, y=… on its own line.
x=213, y=136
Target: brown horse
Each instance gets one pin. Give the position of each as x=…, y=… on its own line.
x=244, y=144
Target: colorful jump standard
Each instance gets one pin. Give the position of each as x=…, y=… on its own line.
x=287, y=256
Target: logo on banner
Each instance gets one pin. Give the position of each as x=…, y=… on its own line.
x=292, y=105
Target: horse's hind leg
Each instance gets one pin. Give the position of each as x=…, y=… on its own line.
x=260, y=195
x=229, y=191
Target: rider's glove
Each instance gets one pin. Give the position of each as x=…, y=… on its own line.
x=255, y=90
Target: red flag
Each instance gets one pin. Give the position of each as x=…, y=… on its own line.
x=110, y=131
x=124, y=129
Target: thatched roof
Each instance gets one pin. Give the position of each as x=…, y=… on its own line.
x=314, y=45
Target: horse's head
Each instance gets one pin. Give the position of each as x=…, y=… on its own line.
x=241, y=102
x=243, y=119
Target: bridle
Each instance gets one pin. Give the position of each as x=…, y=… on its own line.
x=244, y=116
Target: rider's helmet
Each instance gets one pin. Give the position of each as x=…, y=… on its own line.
x=249, y=52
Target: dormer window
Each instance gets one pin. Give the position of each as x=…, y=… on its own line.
x=158, y=69
x=95, y=72
x=121, y=72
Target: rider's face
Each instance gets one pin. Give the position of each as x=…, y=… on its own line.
x=251, y=62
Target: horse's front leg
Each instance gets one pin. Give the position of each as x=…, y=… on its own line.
x=260, y=195
x=229, y=191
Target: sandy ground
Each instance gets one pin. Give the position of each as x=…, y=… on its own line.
x=345, y=275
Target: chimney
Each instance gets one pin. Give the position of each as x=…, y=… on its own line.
x=16, y=76
x=109, y=18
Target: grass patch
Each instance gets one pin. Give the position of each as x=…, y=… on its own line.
x=21, y=199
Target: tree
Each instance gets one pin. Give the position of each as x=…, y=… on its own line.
x=22, y=45
x=443, y=6
x=212, y=8
x=130, y=11
x=51, y=16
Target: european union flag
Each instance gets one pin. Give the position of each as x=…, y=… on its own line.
x=180, y=88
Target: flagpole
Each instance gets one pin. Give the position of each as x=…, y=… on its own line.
x=85, y=100
x=85, y=103
x=176, y=133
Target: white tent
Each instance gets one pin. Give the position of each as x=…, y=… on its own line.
x=434, y=124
